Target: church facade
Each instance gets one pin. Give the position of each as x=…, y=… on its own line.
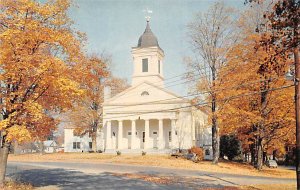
x=146, y=116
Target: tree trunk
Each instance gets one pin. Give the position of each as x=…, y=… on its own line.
x=16, y=148
x=41, y=147
x=215, y=130
x=297, y=107
x=252, y=149
x=274, y=154
x=259, y=154
x=265, y=157
x=94, y=141
x=263, y=103
x=3, y=162
x=215, y=141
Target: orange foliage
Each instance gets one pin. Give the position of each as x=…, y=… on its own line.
x=86, y=116
x=198, y=151
x=243, y=81
x=38, y=54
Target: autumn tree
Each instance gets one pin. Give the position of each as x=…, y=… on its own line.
x=211, y=35
x=38, y=51
x=284, y=25
x=116, y=85
x=283, y=37
x=87, y=112
x=86, y=116
x=257, y=106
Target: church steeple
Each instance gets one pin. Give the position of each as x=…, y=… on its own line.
x=147, y=59
x=147, y=39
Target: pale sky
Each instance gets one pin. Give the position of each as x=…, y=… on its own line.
x=114, y=26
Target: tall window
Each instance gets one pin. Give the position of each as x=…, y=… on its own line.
x=145, y=65
x=158, y=66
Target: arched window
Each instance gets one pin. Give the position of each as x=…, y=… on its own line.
x=145, y=93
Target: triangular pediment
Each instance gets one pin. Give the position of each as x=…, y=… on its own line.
x=143, y=93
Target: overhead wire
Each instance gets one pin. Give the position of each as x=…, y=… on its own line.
x=142, y=112
x=170, y=82
x=188, y=95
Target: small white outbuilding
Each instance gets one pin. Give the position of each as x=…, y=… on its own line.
x=50, y=146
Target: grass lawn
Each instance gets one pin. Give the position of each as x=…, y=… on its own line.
x=156, y=160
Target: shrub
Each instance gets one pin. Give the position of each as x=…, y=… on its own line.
x=198, y=152
x=143, y=153
x=118, y=153
x=230, y=146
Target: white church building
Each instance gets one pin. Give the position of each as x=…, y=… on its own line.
x=146, y=116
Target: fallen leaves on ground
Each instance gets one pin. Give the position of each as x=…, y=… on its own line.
x=13, y=185
x=193, y=182
x=149, y=178
x=157, y=160
x=289, y=186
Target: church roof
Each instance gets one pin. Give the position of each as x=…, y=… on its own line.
x=147, y=39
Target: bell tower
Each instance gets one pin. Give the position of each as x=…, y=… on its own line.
x=148, y=59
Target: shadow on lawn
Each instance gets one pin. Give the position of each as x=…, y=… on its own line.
x=70, y=179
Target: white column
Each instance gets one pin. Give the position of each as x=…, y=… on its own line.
x=173, y=136
x=120, y=135
x=133, y=135
x=161, y=134
x=108, y=135
x=146, y=144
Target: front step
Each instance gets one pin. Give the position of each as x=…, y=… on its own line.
x=138, y=151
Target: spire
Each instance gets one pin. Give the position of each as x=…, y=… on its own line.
x=147, y=39
x=148, y=29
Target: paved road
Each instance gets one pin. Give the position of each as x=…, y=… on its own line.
x=66, y=175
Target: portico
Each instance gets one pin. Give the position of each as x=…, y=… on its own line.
x=142, y=133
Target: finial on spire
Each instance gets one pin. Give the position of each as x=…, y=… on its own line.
x=147, y=18
x=148, y=11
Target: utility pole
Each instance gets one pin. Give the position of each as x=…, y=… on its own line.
x=297, y=107
x=0, y=139
x=1, y=132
